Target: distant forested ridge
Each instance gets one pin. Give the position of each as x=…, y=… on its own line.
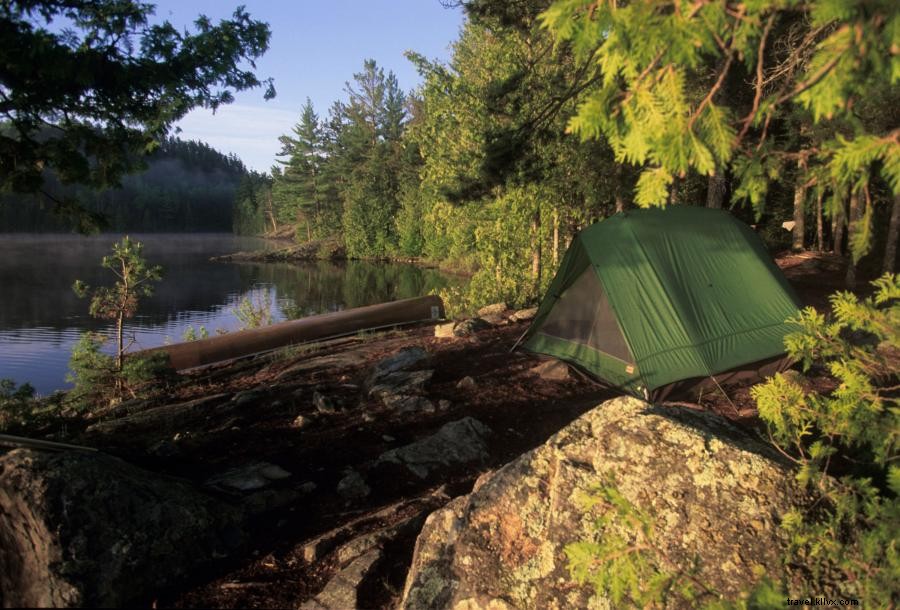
x=187, y=186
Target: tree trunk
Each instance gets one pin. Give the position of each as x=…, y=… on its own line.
x=837, y=228
x=852, y=227
x=715, y=191
x=555, y=237
x=820, y=224
x=890, y=248
x=536, y=251
x=673, y=191
x=799, y=211
x=271, y=211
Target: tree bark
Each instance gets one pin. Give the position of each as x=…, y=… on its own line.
x=798, y=242
x=820, y=224
x=715, y=191
x=673, y=191
x=837, y=228
x=271, y=211
x=852, y=227
x=890, y=248
x=555, y=236
x=536, y=250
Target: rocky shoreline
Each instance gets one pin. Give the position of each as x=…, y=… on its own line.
x=303, y=478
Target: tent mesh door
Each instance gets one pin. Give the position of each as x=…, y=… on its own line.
x=583, y=315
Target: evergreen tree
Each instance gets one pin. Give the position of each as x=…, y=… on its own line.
x=371, y=136
x=110, y=85
x=823, y=56
x=297, y=187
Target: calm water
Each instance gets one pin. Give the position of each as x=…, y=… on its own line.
x=41, y=318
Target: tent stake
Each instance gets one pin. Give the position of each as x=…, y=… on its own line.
x=519, y=340
x=728, y=398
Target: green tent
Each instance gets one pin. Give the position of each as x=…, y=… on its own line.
x=656, y=301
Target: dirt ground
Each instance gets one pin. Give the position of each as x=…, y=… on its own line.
x=521, y=409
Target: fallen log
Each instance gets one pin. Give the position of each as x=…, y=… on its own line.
x=325, y=326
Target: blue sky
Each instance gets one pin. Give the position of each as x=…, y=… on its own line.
x=316, y=46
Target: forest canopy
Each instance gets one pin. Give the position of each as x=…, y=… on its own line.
x=185, y=186
x=552, y=115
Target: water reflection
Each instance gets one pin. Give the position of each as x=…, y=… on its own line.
x=41, y=318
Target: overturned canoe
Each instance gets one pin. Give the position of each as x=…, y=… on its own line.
x=339, y=323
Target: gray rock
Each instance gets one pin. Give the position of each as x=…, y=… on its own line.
x=443, y=404
x=444, y=331
x=714, y=493
x=353, y=486
x=342, y=591
x=249, y=477
x=323, y=404
x=552, y=370
x=401, y=382
x=165, y=449
x=466, y=383
x=494, y=309
x=246, y=397
x=302, y=421
x=457, y=443
x=523, y=314
x=268, y=500
x=408, y=404
x=495, y=320
x=470, y=327
x=90, y=530
x=404, y=359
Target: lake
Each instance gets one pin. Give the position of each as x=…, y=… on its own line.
x=41, y=318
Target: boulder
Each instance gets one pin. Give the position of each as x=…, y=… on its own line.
x=470, y=327
x=404, y=359
x=713, y=493
x=495, y=319
x=248, y=477
x=342, y=591
x=523, y=314
x=494, y=309
x=323, y=404
x=400, y=382
x=466, y=383
x=90, y=530
x=408, y=404
x=353, y=486
x=460, y=442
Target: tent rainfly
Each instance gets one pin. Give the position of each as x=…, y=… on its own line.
x=658, y=302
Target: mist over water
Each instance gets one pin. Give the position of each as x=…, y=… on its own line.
x=41, y=318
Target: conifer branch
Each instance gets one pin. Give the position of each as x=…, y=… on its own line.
x=748, y=120
x=712, y=92
x=815, y=78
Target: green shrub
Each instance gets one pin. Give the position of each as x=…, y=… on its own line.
x=98, y=379
x=254, y=312
x=845, y=442
x=16, y=404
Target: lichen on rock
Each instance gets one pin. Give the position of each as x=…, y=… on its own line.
x=714, y=492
